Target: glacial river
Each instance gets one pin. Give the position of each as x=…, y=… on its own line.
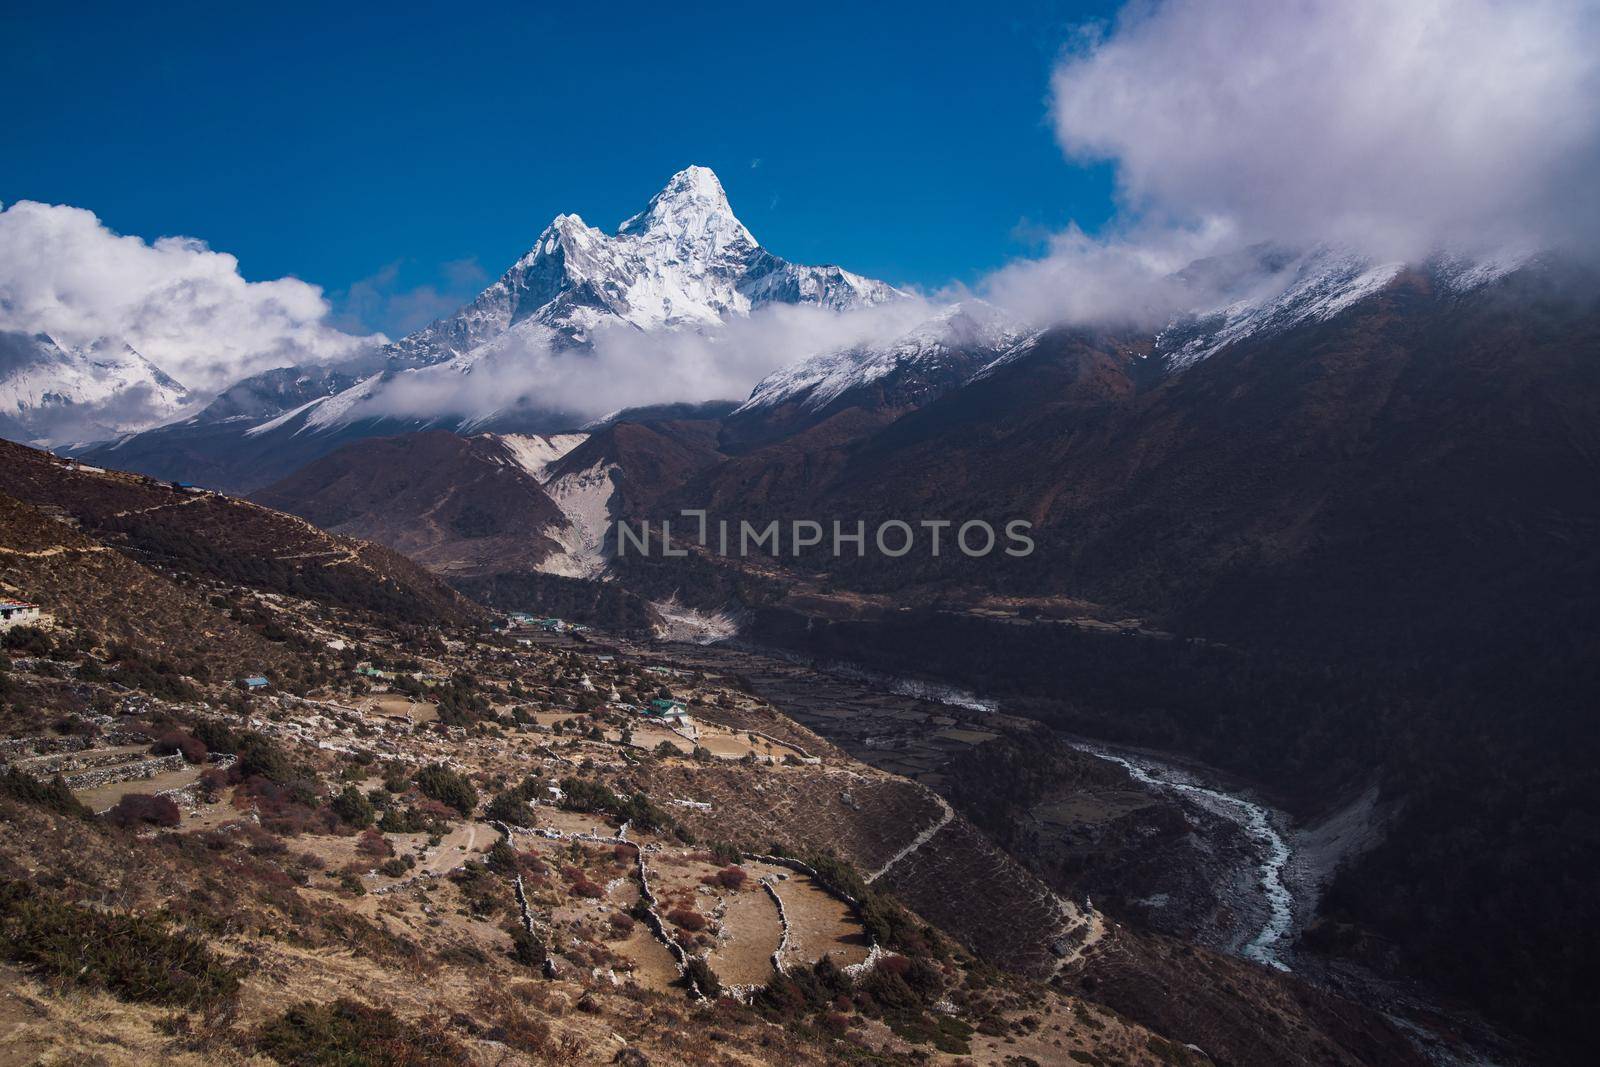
x=1270, y=944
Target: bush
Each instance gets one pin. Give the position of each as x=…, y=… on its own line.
x=447, y=787
x=136, y=808
x=259, y=755
x=502, y=857
x=193, y=749
x=354, y=808
x=583, y=795
x=53, y=795
x=511, y=805
x=731, y=878
x=216, y=735
x=374, y=845
x=397, y=867
x=350, y=1034
x=700, y=973
x=27, y=641
x=687, y=919
x=527, y=949
x=134, y=957
x=726, y=853
x=395, y=821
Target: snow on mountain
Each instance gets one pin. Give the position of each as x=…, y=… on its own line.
x=270, y=393
x=58, y=394
x=960, y=337
x=1253, y=292
x=1268, y=290
x=685, y=260
x=1285, y=291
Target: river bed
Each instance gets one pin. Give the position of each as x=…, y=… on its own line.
x=1272, y=943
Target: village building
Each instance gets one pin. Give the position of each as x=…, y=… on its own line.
x=19, y=613
x=671, y=711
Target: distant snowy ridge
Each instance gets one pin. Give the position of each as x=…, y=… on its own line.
x=1255, y=292
x=930, y=348
x=99, y=389
x=685, y=260
x=1280, y=290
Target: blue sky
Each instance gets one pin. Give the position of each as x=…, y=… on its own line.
x=423, y=151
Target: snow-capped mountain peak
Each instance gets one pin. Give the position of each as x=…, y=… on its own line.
x=54, y=393
x=692, y=213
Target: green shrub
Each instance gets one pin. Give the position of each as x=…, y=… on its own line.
x=526, y=948
x=349, y=1034
x=27, y=641
x=583, y=795
x=395, y=821
x=261, y=755
x=397, y=867
x=354, y=808
x=502, y=857
x=511, y=805
x=700, y=973
x=53, y=794
x=447, y=787
x=134, y=957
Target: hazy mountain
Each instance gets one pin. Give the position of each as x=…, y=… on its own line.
x=51, y=394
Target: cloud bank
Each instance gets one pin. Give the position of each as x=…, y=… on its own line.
x=183, y=306
x=625, y=367
x=1393, y=129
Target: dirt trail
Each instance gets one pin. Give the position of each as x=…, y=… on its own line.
x=158, y=507
x=58, y=550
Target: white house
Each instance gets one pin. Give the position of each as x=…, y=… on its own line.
x=17, y=613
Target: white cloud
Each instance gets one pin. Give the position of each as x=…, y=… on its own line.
x=1397, y=127
x=630, y=368
x=183, y=306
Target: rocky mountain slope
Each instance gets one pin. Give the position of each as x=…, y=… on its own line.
x=1368, y=489
x=194, y=531
x=269, y=872
x=457, y=505
x=886, y=379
